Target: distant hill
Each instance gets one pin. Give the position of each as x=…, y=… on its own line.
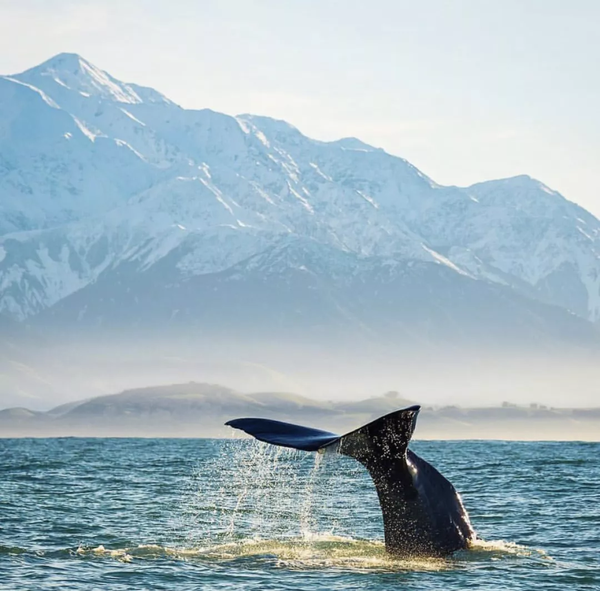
x=200, y=410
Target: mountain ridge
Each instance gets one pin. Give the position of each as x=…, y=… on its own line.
x=121, y=209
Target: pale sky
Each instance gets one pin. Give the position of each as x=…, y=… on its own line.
x=466, y=90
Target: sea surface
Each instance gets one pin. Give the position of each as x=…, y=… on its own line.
x=121, y=514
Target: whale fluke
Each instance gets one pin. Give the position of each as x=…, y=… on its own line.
x=285, y=434
x=422, y=512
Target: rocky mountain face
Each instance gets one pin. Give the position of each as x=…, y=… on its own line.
x=118, y=208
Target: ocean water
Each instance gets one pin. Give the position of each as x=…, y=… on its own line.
x=120, y=514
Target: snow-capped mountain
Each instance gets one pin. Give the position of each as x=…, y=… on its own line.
x=119, y=206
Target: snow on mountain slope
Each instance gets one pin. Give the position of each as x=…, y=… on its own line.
x=72, y=73
x=53, y=168
x=537, y=236
x=99, y=178
x=301, y=291
x=104, y=104
x=515, y=232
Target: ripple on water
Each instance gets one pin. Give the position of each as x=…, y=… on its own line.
x=185, y=514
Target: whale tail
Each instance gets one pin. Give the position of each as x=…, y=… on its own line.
x=422, y=512
x=396, y=428
x=384, y=438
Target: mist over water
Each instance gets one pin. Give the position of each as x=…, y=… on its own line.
x=83, y=366
x=212, y=514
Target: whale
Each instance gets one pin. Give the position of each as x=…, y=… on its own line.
x=423, y=514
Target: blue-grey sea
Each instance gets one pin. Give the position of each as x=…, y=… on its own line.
x=121, y=514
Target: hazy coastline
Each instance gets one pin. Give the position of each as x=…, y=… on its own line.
x=200, y=410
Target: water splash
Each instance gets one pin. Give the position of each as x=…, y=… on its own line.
x=307, y=522
x=325, y=551
x=247, y=489
x=252, y=490
x=302, y=511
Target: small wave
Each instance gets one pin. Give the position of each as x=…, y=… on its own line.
x=11, y=550
x=482, y=549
